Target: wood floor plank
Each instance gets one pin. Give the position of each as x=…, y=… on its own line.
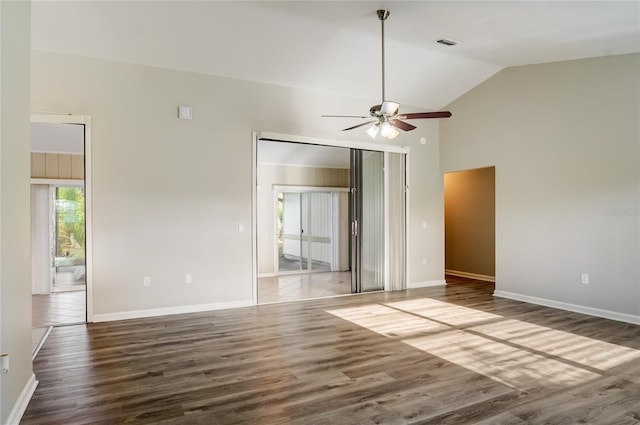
x=445, y=355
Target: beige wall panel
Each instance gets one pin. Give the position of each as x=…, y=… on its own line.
x=339, y=177
x=317, y=175
x=469, y=221
x=311, y=174
x=335, y=177
x=77, y=166
x=291, y=174
x=57, y=166
x=326, y=178
x=38, y=168
x=51, y=165
x=64, y=166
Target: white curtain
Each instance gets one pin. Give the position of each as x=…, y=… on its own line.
x=40, y=247
x=371, y=228
x=395, y=169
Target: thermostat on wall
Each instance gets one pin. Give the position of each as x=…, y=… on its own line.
x=184, y=112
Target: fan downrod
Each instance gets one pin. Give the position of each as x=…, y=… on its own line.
x=387, y=112
x=383, y=15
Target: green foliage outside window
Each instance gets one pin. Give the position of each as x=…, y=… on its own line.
x=70, y=220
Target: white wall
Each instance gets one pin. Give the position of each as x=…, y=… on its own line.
x=564, y=138
x=426, y=206
x=169, y=194
x=15, y=266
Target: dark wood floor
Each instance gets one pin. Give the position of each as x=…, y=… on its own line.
x=444, y=355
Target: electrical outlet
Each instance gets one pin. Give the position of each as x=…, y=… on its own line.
x=146, y=281
x=584, y=278
x=187, y=278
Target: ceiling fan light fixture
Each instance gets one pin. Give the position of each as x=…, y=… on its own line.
x=373, y=131
x=388, y=131
x=385, y=117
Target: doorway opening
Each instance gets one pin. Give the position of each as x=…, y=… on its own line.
x=470, y=225
x=60, y=223
x=302, y=221
x=321, y=220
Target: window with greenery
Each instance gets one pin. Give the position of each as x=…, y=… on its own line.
x=70, y=224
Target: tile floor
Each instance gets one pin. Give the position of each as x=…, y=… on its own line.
x=70, y=280
x=59, y=308
x=303, y=286
x=286, y=264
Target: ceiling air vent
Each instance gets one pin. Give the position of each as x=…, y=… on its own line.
x=447, y=42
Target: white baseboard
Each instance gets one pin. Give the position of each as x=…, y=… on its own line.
x=606, y=314
x=154, y=312
x=475, y=276
x=44, y=337
x=23, y=400
x=426, y=284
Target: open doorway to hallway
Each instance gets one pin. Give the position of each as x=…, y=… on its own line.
x=470, y=225
x=58, y=226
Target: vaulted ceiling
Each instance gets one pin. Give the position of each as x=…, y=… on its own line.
x=334, y=46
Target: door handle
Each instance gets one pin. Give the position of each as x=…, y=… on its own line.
x=354, y=227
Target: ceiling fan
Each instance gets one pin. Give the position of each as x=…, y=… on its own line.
x=386, y=118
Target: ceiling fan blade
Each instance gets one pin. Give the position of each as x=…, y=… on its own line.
x=344, y=116
x=389, y=108
x=359, y=125
x=403, y=125
x=438, y=114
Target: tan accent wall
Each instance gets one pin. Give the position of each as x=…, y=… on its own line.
x=302, y=176
x=57, y=166
x=270, y=175
x=469, y=221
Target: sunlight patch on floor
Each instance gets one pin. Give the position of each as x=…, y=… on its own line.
x=576, y=348
x=516, y=367
x=516, y=353
x=450, y=314
x=388, y=321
